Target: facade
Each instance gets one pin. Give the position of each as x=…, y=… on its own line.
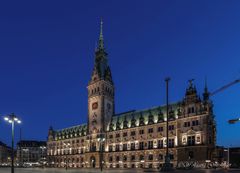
x=5, y=154
x=137, y=138
x=31, y=151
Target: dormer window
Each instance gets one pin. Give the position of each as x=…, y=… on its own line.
x=191, y=110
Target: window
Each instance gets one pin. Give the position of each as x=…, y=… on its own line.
x=125, y=134
x=187, y=124
x=160, y=143
x=133, y=133
x=124, y=158
x=117, y=135
x=110, y=147
x=171, y=156
x=160, y=157
x=124, y=147
x=171, y=127
x=132, y=146
x=191, y=110
x=141, y=131
x=160, y=129
x=150, y=144
x=117, y=158
x=133, y=157
x=195, y=123
x=110, y=136
x=150, y=157
x=110, y=159
x=191, y=140
x=150, y=130
x=117, y=147
x=171, y=143
x=141, y=145
x=141, y=157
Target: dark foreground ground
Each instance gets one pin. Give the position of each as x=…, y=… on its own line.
x=52, y=170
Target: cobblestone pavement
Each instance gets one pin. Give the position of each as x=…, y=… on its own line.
x=52, y=170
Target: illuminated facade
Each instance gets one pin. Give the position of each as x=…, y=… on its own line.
x=134, y=139
x=5, y=154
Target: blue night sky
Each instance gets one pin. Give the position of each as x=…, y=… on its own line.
x=47, y=56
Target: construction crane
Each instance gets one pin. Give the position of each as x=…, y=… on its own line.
x=224, y=87
x=232, y=121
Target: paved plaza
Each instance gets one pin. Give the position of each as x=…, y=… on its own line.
x=39, y=170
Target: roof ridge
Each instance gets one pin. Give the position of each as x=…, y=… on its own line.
x=84, y=124
x=146, y=109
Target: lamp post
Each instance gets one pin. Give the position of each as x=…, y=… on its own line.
x=66, y=145
x=166, y=166
x=12, y=119
x=42, y=158
x=26, y=150
x=101, y=140
x=228, y=156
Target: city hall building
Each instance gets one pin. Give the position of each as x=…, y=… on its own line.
x=137, y=138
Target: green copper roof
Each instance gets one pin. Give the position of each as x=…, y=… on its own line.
x=146, y=114
x=71, y=132
x=123, y=120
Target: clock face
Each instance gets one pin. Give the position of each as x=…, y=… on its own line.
x=95, y=105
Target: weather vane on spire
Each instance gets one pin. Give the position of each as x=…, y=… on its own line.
x=101, y=45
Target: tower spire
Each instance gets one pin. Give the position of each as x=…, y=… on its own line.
x=205, y=87
x=100, y=41
x=205, y=93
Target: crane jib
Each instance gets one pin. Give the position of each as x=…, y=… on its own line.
x=224, y=87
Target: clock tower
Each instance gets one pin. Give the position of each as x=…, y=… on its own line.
x=100, y=92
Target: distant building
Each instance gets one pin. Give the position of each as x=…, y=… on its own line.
x=5, y=154
x=134, y=139
x=31, y=151
x=219, y=154
x=234, y=156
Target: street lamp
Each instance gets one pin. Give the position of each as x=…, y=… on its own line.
x=228, y=156
x=12, y=119
x=66, y=145
x=26, y=150
x=166, y=166
x=42, y=158
x=101, y=140
x=233, y=121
